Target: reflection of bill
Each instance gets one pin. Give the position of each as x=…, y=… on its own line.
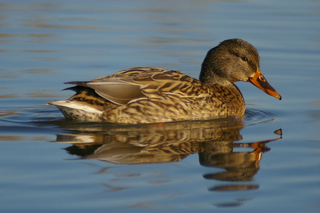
x=170, y=142
x=239, y=166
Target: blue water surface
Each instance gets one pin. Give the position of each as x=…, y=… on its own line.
x=49, y=164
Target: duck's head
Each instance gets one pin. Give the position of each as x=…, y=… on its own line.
x=235, y=60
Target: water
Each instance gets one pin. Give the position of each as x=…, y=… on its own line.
x=49, y=164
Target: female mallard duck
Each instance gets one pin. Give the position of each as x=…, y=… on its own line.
x=151, y=95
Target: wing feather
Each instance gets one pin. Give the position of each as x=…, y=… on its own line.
x=117, y=91
x=138, y=83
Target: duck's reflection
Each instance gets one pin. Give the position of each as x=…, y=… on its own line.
x=239, y=166
x=216, y=142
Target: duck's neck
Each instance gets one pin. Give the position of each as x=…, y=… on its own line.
x=225, y=90
x=207, y=76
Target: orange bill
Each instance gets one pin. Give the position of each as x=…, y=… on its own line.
x=261, y=82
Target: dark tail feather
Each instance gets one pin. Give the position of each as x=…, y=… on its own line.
x=75, y=88
x=78, y=83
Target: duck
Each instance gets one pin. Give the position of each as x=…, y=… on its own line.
x=156, y=95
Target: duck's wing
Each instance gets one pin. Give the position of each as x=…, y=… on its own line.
x=113, y=89
x=139, y=83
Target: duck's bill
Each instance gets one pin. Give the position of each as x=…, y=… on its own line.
x=261, y=82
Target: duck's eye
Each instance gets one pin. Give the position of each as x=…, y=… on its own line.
x=244, y=58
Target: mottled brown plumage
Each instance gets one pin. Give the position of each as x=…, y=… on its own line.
x=150, y=95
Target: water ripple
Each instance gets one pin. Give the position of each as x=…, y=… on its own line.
x=256, y=116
